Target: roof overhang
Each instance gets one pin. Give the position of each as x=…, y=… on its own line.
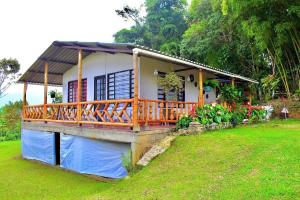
x=63, y=55
x=169, y=58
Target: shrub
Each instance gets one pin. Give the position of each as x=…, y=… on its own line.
x=184, y=122
x=238, y=115
x=256, y=115
x=209, y=114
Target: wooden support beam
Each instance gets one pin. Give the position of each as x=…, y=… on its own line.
x=201, y=100
x=136, y=64
x=24, y=98
x=185, y=69
x=79, y=85
x=232, y=82
x=45, y=90
x=250, y=98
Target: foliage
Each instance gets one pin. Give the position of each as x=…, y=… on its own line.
x=212, y=83
x=171, y=83
x=238, y=115
x=269, y=84
x=230, y=94
x=184, y=122
x=209, y=114
x=57, y=96
x=256, y=115
x=10, y=121
x=9, y=69
x=162, y=27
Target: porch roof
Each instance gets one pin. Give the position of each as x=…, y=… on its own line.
x=62, y=55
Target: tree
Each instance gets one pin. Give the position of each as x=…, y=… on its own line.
x=162, y=27
x=9, y=69
x=10, y=121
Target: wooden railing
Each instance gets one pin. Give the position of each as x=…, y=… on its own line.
x=109, y=112
x=159, y=111
x=106, y=112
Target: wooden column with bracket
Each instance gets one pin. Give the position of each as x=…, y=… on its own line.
x=201, y=100
x=232, y=82
x=24, y=98
x=136, y=64
x=45, y=90
x=79, y=85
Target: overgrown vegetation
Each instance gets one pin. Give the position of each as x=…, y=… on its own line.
x=257, y=39
x=217, y=114
x=10, y=121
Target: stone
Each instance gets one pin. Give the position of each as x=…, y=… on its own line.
x=195, y=128
x=156, y=150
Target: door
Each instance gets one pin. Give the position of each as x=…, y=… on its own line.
x=99, y=88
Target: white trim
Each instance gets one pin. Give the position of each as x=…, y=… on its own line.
x=189, y=63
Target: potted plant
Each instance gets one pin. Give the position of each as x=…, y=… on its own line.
x=210, y=84
x=171, y=84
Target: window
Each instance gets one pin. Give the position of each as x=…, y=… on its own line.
x=161, y=94
x=72, y=90
x=120, y=85
x=99, y=88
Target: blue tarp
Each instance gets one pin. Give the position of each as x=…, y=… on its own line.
x=96, y=157
x=38, y=145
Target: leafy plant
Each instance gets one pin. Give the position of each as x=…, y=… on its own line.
x=184, y=122
x=209, y=114
x=10, y=121
x=269, y=85
x=211, y=83
x=171, y=83
x=230, y=94
x=56, y=96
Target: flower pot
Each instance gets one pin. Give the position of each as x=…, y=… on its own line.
x=207, y=88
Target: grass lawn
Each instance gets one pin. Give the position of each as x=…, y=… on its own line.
x=254, y=162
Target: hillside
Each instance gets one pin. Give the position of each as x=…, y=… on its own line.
x=253, y=162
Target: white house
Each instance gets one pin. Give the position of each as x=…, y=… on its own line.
x=113, y=108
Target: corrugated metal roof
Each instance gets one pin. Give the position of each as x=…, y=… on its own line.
x=62, y=55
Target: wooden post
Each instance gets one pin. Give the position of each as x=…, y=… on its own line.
x=201, y=100
x=250, y=98
x=79, y=85
x=24, y=98
x=45, y=90
x=232, y=82
x=136, y=63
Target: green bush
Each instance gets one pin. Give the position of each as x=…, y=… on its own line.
x=257, y=115
x=184, y=122
x=238, y=115
x=10, y=121
x=209, y=114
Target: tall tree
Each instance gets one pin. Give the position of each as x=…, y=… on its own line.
x=9, y=69
x=162, y=28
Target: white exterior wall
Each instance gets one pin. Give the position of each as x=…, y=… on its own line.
x=98, y=64
x=149, y=86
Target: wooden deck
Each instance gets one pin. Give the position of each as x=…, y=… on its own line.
x=110, y=113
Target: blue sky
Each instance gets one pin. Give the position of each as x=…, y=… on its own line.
x=33, y=25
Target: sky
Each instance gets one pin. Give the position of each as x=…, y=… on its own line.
x=29, y=27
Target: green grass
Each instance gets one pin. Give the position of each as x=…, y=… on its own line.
x=254, y=162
